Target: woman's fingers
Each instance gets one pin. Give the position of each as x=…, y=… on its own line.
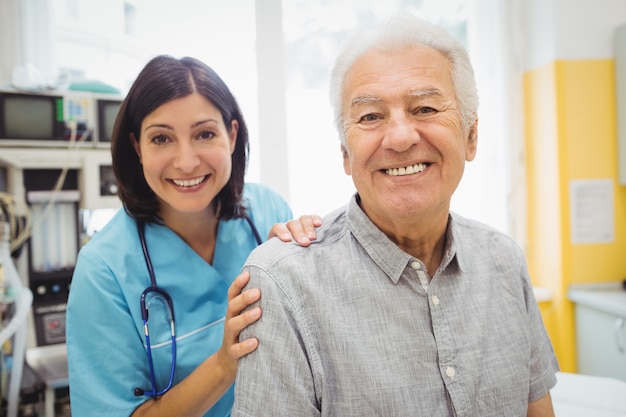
x=302, y=230
x=238, y=318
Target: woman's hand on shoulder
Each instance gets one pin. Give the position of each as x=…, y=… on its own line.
x=301, y=229
x=237, y=319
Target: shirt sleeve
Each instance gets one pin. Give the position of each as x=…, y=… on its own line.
x=276, y=379
x=543, y=362
x=104, y=366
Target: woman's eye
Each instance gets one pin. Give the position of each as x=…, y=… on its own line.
x=206, y=134
x=159, y=139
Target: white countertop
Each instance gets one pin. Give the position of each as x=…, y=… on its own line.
x=607, y=297
x=50, y=363
x=542, y=294
x=577, y=395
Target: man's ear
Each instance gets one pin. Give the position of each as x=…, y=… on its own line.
x=346, y=160
x=135, y=144
x=472, y=142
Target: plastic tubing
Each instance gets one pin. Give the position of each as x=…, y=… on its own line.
x=17, y=327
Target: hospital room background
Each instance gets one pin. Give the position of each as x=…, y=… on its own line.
x=550, y=170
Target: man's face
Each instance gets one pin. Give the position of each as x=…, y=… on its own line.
x=405, y=143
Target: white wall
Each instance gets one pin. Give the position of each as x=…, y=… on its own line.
x=23, y=36
x=570, y=29
x=11, y=39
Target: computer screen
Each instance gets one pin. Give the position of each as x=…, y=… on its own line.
x=107, y=113
x=29, y=116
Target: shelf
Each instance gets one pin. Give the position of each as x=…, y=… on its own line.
x=606, y=297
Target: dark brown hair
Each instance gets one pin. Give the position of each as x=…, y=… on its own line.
x=163, y=79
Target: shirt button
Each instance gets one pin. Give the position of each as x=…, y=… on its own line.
x=450, y=372
x=435, y=300
x=416, y=265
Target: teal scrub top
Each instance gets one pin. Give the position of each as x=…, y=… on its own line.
x=105, y=338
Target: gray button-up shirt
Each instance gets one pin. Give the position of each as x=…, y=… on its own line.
x=352, y=326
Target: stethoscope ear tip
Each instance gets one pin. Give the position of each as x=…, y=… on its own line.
x=139, y=392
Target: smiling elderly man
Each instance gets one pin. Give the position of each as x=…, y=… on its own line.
x=400, y=308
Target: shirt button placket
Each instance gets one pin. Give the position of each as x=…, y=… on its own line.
x=442, y=334
x=421, y=274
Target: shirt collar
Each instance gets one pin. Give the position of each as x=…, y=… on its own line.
x=453, y=238
x=385, y=253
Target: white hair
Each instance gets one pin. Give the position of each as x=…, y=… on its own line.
x=396, y=34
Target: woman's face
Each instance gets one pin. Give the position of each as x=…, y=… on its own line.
x=185, y=150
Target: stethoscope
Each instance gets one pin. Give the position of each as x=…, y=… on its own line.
x=155, y=290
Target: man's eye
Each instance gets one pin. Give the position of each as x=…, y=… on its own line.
x=370, y=118
x=425, y=110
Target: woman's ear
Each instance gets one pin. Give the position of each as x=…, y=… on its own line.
x=135, y=144
x=234, y=129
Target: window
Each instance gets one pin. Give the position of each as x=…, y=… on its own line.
x=280, y=74
x=130, y=12
x=314, y=32
x=72, y=8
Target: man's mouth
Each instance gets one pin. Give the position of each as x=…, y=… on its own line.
x=408, y=170
x=190, y=182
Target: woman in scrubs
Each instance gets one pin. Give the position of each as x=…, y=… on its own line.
x=180, y=150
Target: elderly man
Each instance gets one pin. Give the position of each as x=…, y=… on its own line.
x=400, y=308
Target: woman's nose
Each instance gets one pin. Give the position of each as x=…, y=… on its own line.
x=186, y=158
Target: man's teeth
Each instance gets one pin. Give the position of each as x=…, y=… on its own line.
x=188, y=183
x=411, y=169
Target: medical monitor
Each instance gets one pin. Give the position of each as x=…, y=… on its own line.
x=107, y=113
x=31, y=116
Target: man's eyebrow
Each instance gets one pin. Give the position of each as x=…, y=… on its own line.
x=364, y=99
x=369, y=98
x=424, y=93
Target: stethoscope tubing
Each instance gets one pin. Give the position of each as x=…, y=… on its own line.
x=145, y=315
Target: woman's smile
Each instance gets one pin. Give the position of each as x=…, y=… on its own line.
x=189, y=182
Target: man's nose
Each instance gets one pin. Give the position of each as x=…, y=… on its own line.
x=401, y=132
